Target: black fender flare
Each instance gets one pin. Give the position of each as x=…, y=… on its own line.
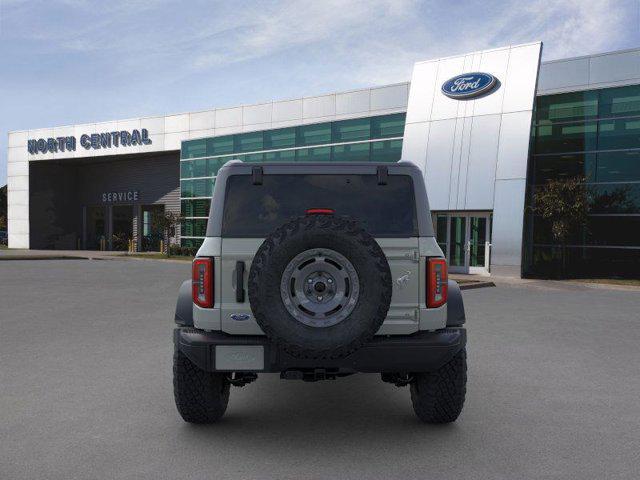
x=455, y=305
x=184, y=305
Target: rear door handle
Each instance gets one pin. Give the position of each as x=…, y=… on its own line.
x=240, y=282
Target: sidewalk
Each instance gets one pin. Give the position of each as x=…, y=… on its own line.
x=467, y=281
x=22, y=254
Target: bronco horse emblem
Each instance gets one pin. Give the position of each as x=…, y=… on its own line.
x=404, y=279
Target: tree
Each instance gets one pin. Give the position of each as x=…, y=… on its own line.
x=565, y=204
x=166, y=223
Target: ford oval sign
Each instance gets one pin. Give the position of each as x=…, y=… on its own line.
x=469, y=85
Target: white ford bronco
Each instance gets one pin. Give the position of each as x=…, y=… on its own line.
x=318, y=271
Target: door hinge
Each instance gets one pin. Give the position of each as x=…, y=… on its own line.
x=240, y=282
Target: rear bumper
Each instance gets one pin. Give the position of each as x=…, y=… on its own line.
x=420, y=352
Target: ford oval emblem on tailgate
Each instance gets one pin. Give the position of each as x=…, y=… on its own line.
x=240, y=317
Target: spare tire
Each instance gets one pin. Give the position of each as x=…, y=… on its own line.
x=320, y=286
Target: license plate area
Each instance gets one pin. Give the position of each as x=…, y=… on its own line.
x=236, y=358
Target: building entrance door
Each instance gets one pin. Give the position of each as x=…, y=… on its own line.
x=151, y=233
x=95, y=228
x=465, y=239
x=121, y=227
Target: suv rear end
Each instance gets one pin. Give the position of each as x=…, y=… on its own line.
x=233, y=323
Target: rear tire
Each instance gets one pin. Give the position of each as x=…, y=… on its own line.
x=201, y=397
x=438, y=396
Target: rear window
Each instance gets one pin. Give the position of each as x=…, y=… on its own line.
x=256, y=210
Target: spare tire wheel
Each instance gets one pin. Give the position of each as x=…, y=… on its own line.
x=320, y=286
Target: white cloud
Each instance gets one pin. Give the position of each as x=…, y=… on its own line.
x=295, y=24
x=376, y=39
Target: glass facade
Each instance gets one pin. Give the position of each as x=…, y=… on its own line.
x=593, y=134
x=375, y=139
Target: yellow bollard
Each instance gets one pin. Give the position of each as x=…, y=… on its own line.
x=161, y=246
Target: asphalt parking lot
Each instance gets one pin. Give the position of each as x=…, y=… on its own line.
x=85, y=390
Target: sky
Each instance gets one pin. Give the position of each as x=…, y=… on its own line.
x=65, y=62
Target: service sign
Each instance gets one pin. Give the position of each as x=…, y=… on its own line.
x=469, y=85
x=119, y=197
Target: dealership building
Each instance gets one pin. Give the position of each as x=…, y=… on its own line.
x=489, y=129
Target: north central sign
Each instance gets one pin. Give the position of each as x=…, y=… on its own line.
x=469, y=85
x=93, y=141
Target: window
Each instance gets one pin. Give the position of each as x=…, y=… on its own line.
x=595, y=134
x=550, y=167
x=199, y=168
x=620, y=102
x=384, y=210
x=351, y=130
x=215, y=164
x=621, y=198
x=280, y=138
x=388, y=126
x=194, y=228
x=614, y=134
x=219, y=145
x=318, y=154
x=387, y=151
x=186, y=169
x=567, y=107
x=186, y=189
x=201, y=159
x=441, y=232
x=618, y=166
x=357, y=152
x=574, y=137
x=196, y=168
x=191, y=242
x=252, y=157
x=248, y=142
x=313, y=134
x=196, y=208
x=585, y=261
x=196, y=188
x=280, y=156
x=194, y=148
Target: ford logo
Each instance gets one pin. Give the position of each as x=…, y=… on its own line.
x=469, y=85
x=240, y=317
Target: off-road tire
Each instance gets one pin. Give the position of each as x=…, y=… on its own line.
x=438, y=396
x=201, y=397
x=342, y=235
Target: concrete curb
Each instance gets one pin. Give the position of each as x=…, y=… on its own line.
x=601, y=285
x=474, y=285
x=86, y=257
x=45, y=257
x=170, y=260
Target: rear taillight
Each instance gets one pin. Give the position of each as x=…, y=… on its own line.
x=202, y=282
x=437, y=282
